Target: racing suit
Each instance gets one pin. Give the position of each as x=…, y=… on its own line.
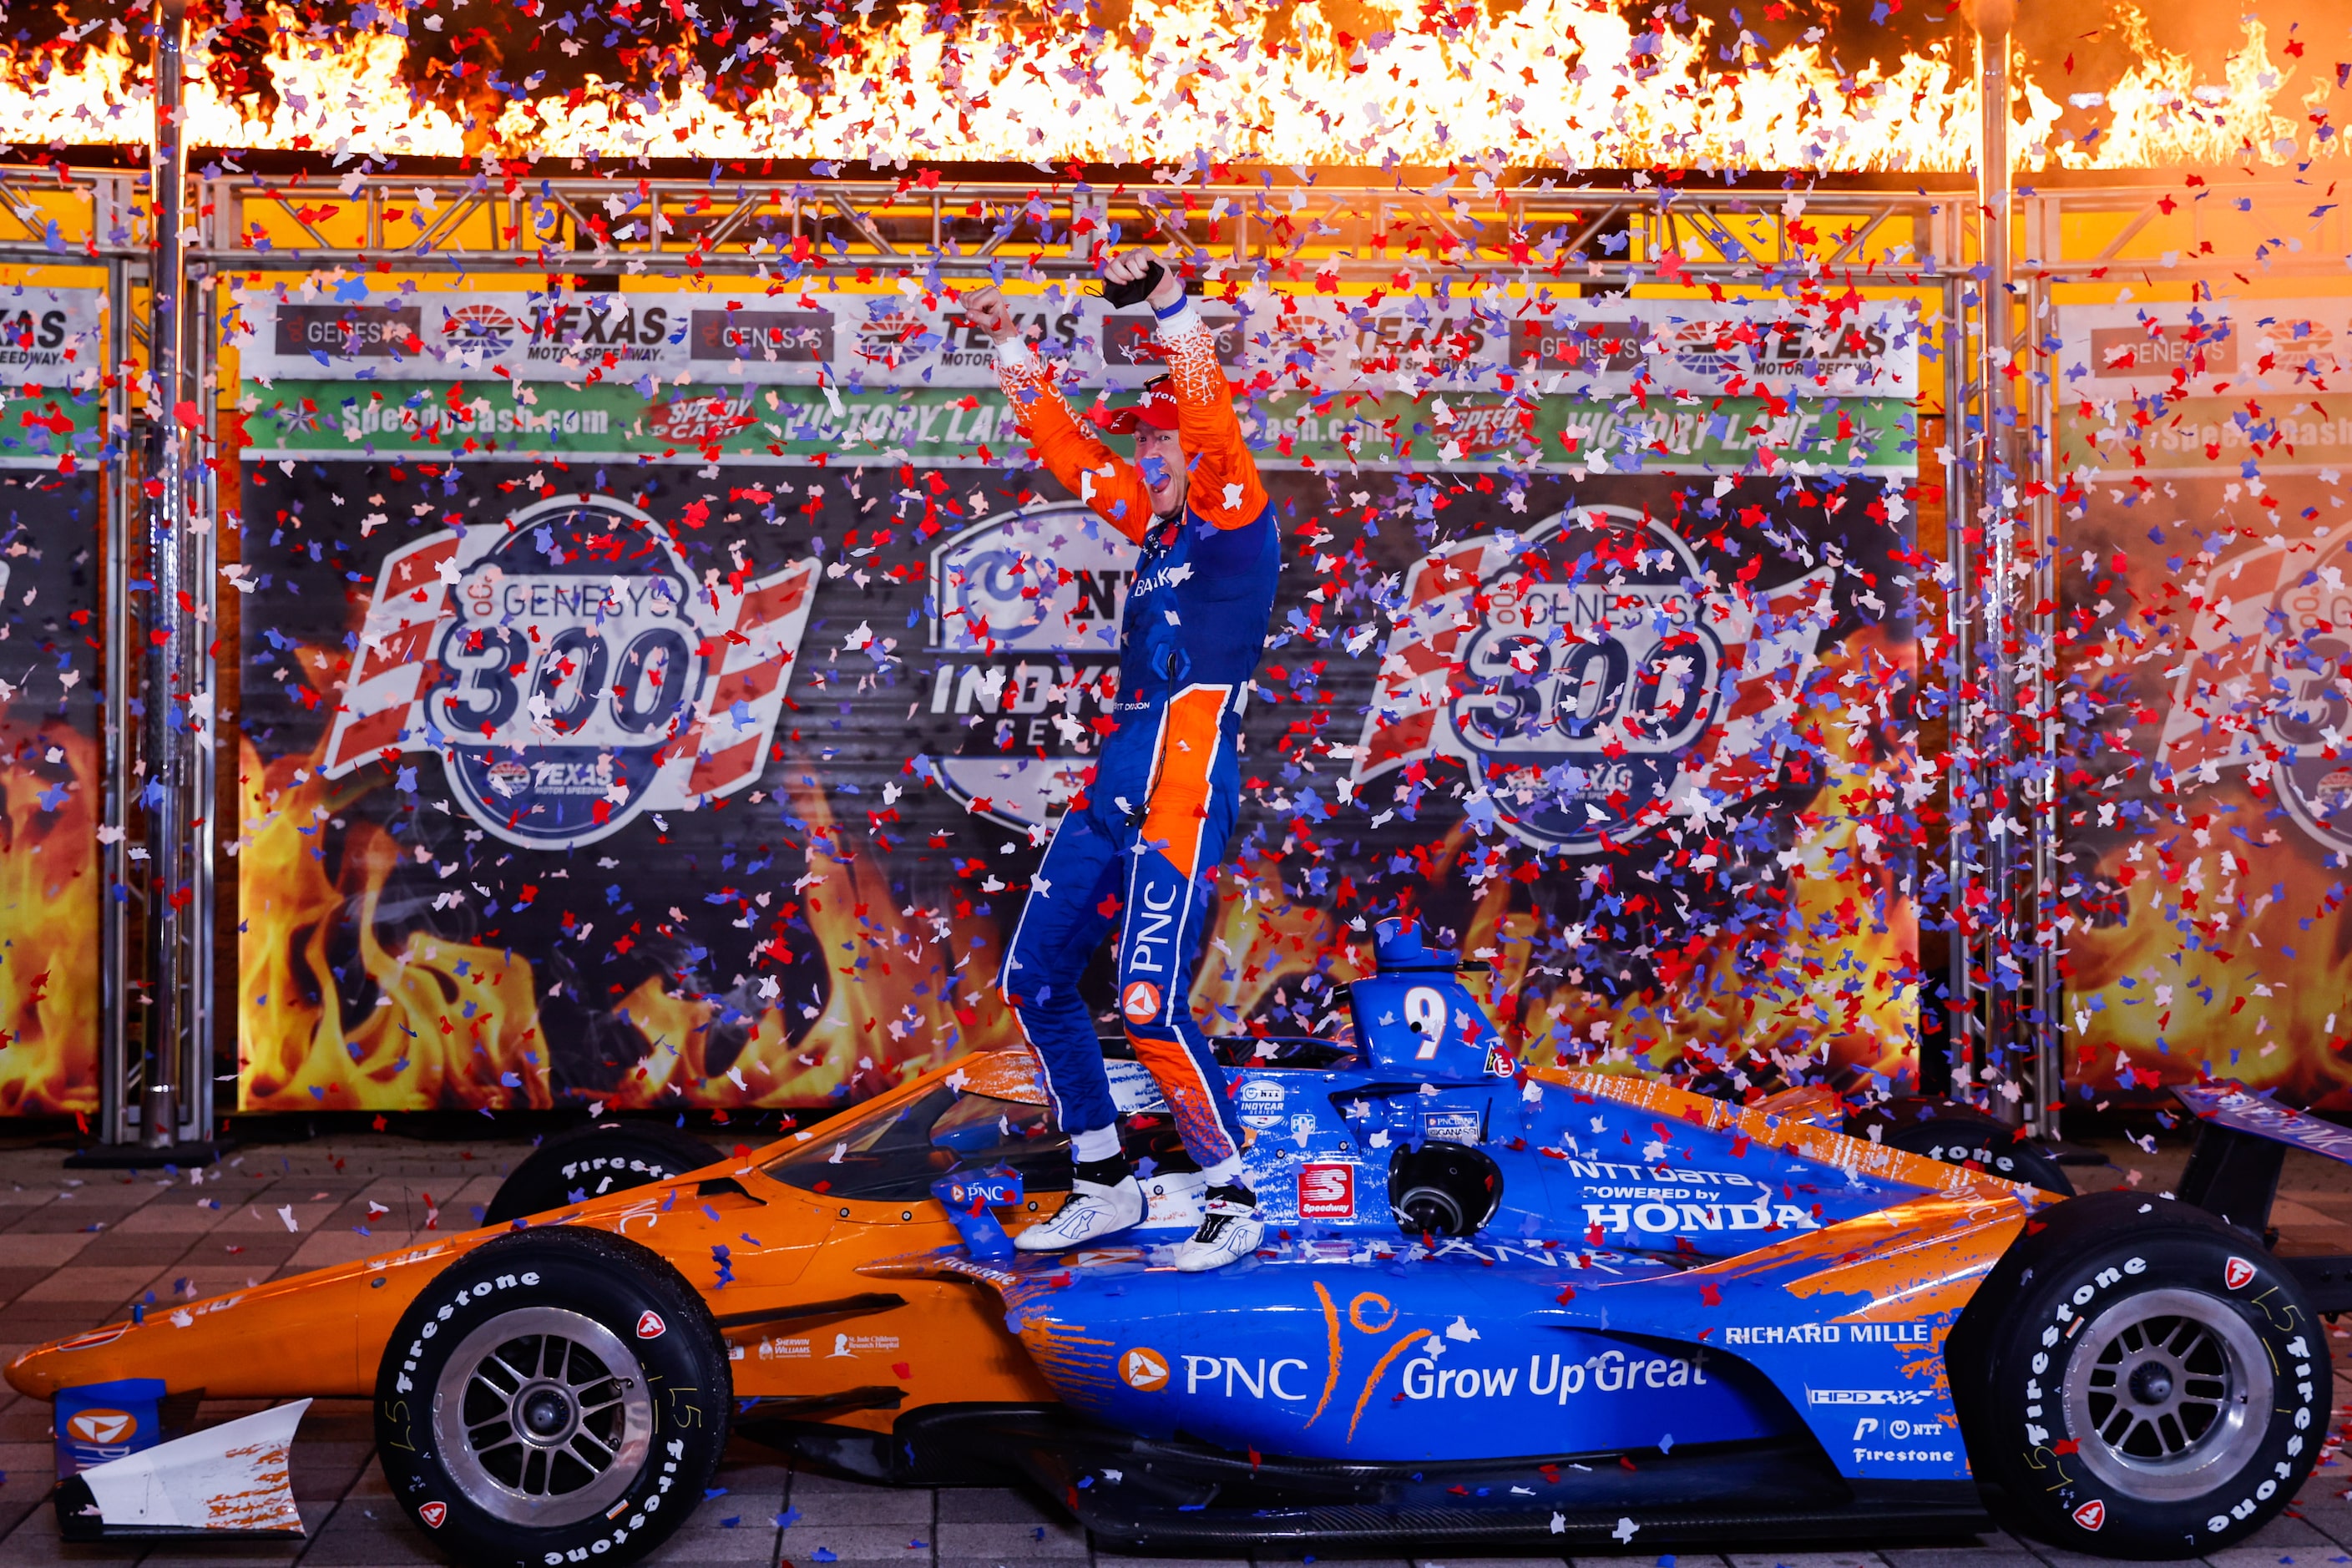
x=1142, y=845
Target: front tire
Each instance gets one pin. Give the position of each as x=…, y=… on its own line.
x=555, y=1395
x=2149, y=1382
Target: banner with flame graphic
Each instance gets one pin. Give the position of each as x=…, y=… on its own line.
x=51, y=779
x=573, y=777
x=2207, y=692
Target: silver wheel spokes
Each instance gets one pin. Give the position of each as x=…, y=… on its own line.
x=543, y=1415
x=2168, y=1394
x=2159, y=1388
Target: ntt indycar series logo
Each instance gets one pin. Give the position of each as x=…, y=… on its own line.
x=1025, y=626
x=1597, y=667
x=571, y=669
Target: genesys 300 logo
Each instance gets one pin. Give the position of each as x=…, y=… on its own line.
x=571, y=670
x=1597, y=666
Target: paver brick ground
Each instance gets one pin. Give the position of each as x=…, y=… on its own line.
x=78, y=1248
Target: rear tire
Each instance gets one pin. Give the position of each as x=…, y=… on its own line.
x=555, y=1390
x=1961, y=1135
x=2146, y=1380
x=591, y=1162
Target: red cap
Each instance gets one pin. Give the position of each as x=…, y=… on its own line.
x=1154, y=405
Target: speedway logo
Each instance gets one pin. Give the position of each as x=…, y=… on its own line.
x=1025, y=618
x=571, y=670
x=1593, y=674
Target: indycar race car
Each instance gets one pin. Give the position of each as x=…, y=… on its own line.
x=1495, y=1304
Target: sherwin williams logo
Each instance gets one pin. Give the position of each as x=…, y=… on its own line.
x=1589, y=670
x=102, y=1425
x=571, y=670
x=1025, y=621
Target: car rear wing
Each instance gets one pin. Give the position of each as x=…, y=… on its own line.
x=2233, y=1172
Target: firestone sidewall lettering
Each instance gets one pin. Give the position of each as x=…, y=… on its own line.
x=1592, y=673
x=571, y=670
x=2295, y=1360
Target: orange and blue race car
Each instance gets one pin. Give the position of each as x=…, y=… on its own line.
x=1494, y=1304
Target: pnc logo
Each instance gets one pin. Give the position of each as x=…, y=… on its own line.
x=2236, y=1272
x=1145, y=1371
x=1141, y=1002
x=2092, y=1514
x=102, y=1425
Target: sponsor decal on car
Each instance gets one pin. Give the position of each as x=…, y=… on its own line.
x=1261, y=1102
x=1327, y=1190
x=847, y=1346
x=2236, y=1272
x=650, y=1325
x=2092, y=1514
x=1910, y=1333
x=1451, y=1125
x=433, y=1513
x=1869, y=1395
x=102, y=1425
x=1145, y=1371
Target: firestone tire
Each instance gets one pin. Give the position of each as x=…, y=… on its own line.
x=607, y=1157
x=555, y=1396
x=1959, y=1135
x=2147, y=1381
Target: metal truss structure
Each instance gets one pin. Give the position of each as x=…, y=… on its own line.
x=1929, y=244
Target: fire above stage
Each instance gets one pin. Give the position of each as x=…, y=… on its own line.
x=1549, y=84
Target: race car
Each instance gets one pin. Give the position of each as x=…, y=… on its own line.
x=1496, y=1303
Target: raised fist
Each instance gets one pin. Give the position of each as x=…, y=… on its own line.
x=990, y=312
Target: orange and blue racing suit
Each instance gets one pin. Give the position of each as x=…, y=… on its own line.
x=1142, y=843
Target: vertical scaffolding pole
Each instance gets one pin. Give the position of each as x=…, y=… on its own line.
x=2002, y=976
x=178, y=1058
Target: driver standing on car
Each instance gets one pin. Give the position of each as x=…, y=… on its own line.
x=1141, y=848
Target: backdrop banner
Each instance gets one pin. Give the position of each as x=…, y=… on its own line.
x=50, y=772
x=695, y=745
x=2208, y=697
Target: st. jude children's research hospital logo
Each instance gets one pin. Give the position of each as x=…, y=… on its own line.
x=1599, y=668
x=571, y=670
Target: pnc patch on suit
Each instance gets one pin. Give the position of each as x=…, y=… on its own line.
x=1141, y=1002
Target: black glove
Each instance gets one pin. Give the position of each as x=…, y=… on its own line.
x=1122, y=295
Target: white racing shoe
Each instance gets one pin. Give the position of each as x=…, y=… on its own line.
x=1090, y=1212
x=1229, y=1229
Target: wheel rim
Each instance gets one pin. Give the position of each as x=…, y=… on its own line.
x=2168, y=1394
x=542, y=1416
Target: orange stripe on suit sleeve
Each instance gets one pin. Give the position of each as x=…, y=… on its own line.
x=1107, y=482
x=1189, y=739
x=1225, y=488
